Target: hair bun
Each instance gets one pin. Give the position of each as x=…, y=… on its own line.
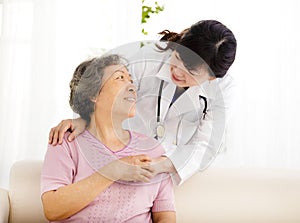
x=169, y=36
x=79, y=71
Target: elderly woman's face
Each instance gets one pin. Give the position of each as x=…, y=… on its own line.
x=117, y=94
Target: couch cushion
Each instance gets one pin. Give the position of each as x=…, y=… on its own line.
x=240, y=195
x=24, y=192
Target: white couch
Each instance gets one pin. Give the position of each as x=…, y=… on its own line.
x=218, y=195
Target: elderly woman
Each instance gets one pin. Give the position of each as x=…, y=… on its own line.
x=86, y=180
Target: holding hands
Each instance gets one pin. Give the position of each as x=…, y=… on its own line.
x=129, y=168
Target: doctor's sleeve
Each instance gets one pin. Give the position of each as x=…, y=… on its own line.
x=204, y=145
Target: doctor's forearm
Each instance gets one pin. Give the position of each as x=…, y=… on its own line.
x=163, y=165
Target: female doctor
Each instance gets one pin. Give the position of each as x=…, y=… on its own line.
x=184, y=96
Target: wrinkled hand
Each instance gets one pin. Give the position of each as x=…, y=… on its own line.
x=57, y=133
x=130, y=168
x=159, y=165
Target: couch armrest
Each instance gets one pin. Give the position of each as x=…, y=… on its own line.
x=4, y=205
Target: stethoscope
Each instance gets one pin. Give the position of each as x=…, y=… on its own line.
x=160, y=129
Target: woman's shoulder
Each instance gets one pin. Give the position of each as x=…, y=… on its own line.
x=66, y=149
x=226, y=81
x=155, y=53
x=66, y=143
x=149, y=51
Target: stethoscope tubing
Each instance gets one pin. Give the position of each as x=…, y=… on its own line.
x=159, y=100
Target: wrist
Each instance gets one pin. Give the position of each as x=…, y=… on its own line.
x=110, y=171
x=168, y=165
x=164, y=165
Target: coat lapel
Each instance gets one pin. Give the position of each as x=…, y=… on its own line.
x=188, y=101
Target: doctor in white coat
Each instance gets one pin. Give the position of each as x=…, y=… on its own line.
x=184, y=96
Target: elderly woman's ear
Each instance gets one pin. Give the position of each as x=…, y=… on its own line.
x=93, y=100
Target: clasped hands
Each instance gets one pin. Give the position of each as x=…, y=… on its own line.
x=132, y=168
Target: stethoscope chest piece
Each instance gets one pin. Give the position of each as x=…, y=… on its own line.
x=160, y=130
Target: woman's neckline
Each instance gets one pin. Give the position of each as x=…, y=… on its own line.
x=113, y=151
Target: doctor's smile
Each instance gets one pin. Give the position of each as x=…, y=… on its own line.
x=174, y=77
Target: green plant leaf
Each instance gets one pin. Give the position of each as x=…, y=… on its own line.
x=147, y=11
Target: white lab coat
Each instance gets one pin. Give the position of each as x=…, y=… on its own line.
x=190, y=141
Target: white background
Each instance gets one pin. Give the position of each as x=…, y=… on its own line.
x=42, y=41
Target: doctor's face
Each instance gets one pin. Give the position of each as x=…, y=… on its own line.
x=117, y=94
x=182, y=77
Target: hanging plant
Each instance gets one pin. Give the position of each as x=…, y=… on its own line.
x=147, y=11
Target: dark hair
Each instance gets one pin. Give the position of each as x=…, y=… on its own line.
x=210, y=40
x=86, y=82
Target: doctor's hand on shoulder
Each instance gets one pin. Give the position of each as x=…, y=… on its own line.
x=75, y=126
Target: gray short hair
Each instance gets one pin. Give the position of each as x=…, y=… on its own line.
x=86, y=82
